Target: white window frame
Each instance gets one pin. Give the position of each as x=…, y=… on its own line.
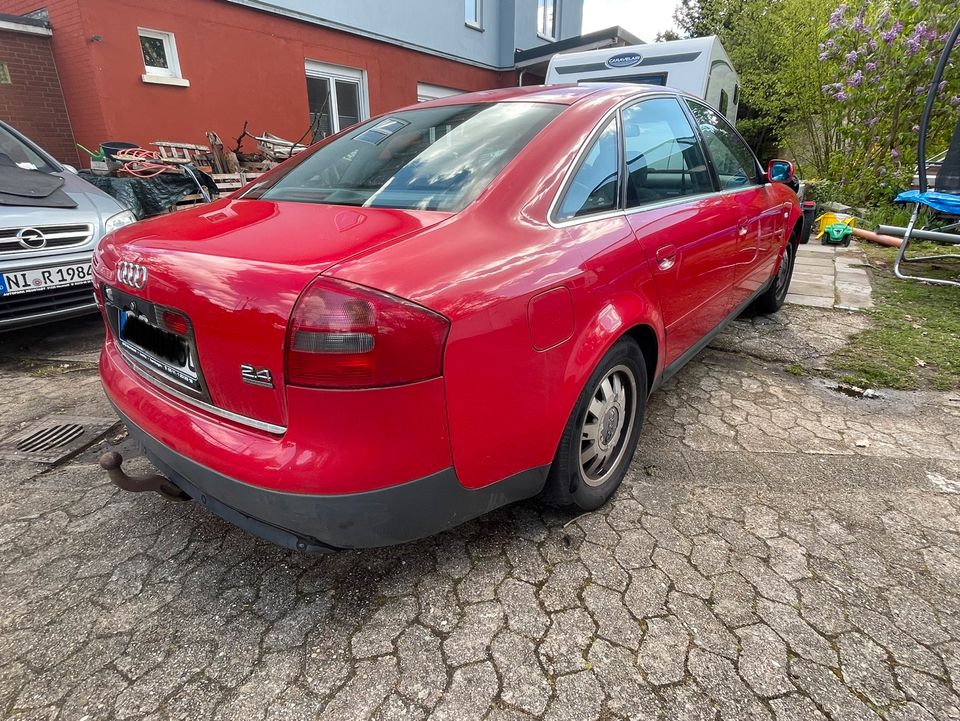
x=541, y=33
x=317, y=69
x=478, y=25
x=155, y=74
x=426, y=91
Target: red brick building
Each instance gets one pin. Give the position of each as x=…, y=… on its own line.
x=30, y=94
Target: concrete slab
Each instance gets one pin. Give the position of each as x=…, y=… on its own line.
x=813, y=301
x=827, y=276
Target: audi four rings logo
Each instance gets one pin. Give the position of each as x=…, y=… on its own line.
x=132, y=274
x=31, y=239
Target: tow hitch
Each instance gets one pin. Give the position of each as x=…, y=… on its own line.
x=111, y=462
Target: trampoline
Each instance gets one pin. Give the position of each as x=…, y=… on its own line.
x=936, y=212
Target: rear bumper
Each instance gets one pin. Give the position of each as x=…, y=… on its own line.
x=321, y=523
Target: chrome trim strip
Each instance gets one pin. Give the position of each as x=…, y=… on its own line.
x=213, y=410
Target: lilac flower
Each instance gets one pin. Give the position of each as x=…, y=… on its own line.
x=872, y=44
x=823, y=56
x=890, y=35
x=851, y=57
x=870, y=67
x=913, y=47
x=955, y=100
x=914, y=3
x=842, y=95
x=915, y=128
x=881, y=170
x=872, y=121
x=894, y=153
x=855, y=79
x=836, y=19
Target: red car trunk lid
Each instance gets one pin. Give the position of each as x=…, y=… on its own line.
x=236, y=269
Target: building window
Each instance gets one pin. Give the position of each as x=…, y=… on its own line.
x=427, y=92
x=547, y=19
x=159, y=54
x=472, y=13
x=337, y=98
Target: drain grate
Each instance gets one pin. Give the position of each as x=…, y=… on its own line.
x=53, y=438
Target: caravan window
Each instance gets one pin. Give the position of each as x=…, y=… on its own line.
x=663, y=156
x=735, y=163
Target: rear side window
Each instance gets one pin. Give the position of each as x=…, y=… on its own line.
x=424, y=159
x=735, y=163
x=663, y=156
x=595, y=188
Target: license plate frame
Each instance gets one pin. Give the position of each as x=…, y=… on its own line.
x=182, y=373
x=18, y=282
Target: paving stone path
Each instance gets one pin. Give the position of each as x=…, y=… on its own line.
x=830, y=276
x=778, y=551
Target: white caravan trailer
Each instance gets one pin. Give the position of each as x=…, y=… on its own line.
x=699, y=66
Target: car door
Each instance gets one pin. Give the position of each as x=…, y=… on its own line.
x=679, y=219
x=752, y=218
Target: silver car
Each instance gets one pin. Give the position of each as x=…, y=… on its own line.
x=45, y=252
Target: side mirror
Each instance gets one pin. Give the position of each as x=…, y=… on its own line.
x=69, y=168
x=780, y=171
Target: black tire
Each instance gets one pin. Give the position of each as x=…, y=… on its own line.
x=594, y=424
x=772, y=298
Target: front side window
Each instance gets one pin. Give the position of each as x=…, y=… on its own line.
x=547, y=19
x=471, y=13
x=159, y=51
x=663, y=156
x=422, y=159
x=734, y=161
x=596, y=186
x=336, y=98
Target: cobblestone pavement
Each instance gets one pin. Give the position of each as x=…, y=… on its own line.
x=778, y=550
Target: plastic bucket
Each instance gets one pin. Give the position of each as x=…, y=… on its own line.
x=113, y=147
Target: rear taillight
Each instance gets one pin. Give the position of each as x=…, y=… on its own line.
x=343, y=335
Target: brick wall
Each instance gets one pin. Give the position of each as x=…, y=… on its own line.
x=33, y=102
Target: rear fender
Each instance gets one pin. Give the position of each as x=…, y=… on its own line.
x=611, y=321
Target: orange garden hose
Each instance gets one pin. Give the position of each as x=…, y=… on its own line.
x=141, y=162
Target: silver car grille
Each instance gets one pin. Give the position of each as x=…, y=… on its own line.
x=55, y=237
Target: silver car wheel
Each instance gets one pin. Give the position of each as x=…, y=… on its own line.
x=607, y=425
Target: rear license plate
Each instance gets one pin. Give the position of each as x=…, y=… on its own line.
x=25, y=281
x=158, y=348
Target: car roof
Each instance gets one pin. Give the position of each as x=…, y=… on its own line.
x=567, y=94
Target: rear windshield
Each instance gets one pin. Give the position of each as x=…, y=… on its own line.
x=423, y=159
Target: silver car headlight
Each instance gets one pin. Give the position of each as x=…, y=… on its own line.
x=115, y=222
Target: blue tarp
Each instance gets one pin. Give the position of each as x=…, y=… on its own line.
x=942, y=202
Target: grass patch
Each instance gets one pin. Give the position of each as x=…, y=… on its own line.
x=914, y=341
x=796, y=369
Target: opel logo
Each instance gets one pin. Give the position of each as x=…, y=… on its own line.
x=132, y=274
x=31, y=239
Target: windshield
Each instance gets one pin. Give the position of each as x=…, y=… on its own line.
x=14, y=151
x=424, y=159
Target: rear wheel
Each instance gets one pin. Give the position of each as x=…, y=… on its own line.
x=772, y=298
x=602, y=432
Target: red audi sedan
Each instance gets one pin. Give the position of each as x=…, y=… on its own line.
x=442, y=310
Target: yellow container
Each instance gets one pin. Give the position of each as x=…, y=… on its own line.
x=830, y=218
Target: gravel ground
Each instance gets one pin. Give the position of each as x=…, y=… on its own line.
x=778, y=550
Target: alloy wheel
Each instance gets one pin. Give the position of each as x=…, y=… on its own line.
x=607, y=425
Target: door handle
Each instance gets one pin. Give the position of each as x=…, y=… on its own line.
x=666, y=256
